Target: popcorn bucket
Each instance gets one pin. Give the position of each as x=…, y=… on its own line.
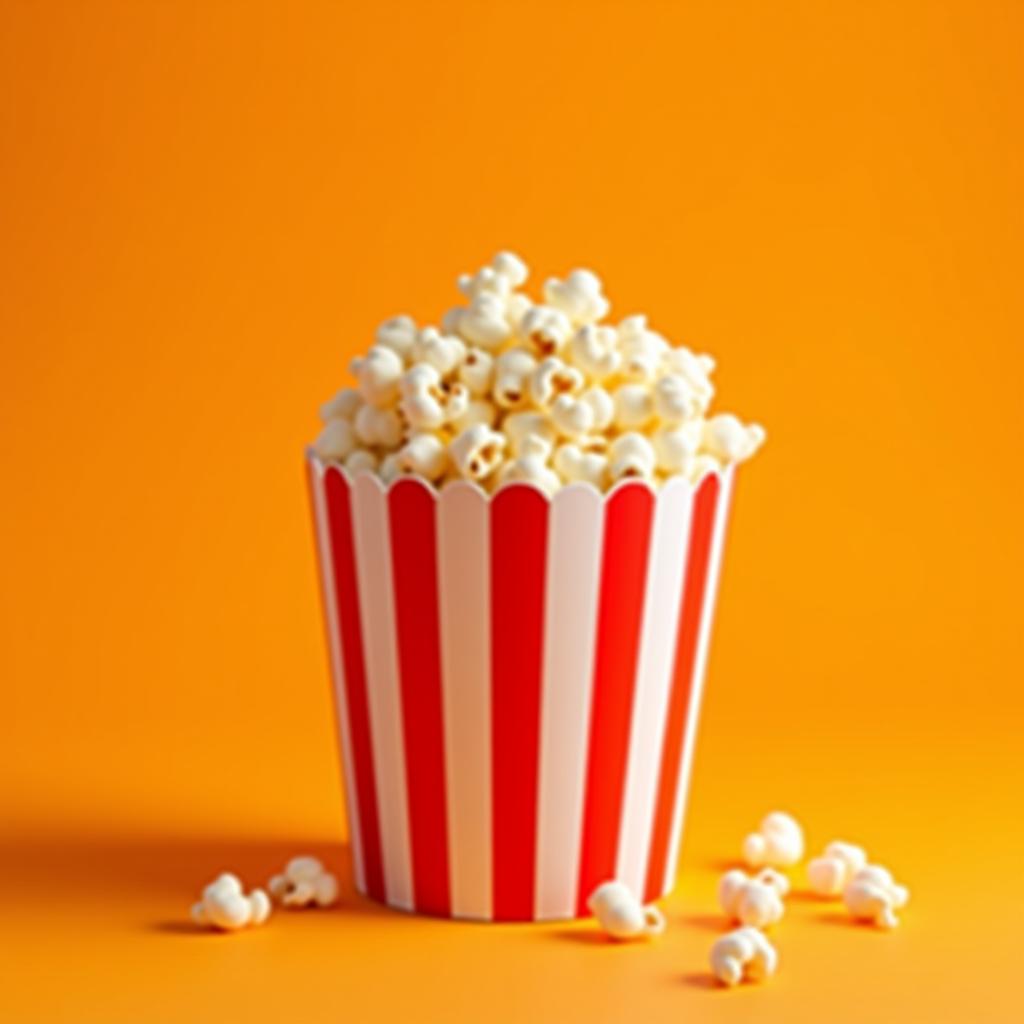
x=517, y=681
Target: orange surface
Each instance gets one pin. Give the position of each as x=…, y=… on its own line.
x=207, y=208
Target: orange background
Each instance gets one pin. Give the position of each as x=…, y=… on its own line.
x=205, y=211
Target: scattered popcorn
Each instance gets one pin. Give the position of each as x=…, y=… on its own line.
x=225, y=906
x=779, y=843
x=606, y=402
x=872, y=895
x=754, y=901
x=620, y=914
x=743, y=955
x=828, y=874
x=303, y=882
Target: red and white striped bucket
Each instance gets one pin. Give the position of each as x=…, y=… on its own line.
x=517, y=682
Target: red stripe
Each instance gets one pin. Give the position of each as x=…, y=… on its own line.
x=627, y=535
x=519, y=526
x=339, y=523
x=414, y=559
x=697, y=559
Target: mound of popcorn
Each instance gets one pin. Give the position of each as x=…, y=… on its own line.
x=507, y=389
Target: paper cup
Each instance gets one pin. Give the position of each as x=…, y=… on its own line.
x=517, y=683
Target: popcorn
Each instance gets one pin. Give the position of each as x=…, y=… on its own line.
x=620, y=914
x=483, y=323
x=595, y=351
x=530, y=466
x=344, y=405
x=378, y=373
x=399, y=334
x=872, y=895
x=602, y=402
x=478, y=410
x=634, y=407
x=304, y=882
x=602, y=405
x=477, y=371
x=642, y=349
x=512, y=370
x=676, y=448
x=578, y=297
x=477, y=451
x=753, y=901
x=428, y=402
x=425, y=455
x=520, y=425
x=376, y=426
x=443, y=352
x=779, y=843
x=361, y=460
x=553, y=379
x=729, y=440
x=743, y=955
x=828, y=874
x=545, y=330
x=336, y=440
x=573, y=463
x=674, y=400
x=631, y=455
x=225, y=906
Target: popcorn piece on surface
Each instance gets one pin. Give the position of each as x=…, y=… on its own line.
x=872, y=895
x=618, y=401
x=225, y=906
x=753, y=901
x=304, y=882
x=828, y=874
x=743, y=955
x=578, y=297
x=477, y=452
x=779, y=843
x=621, y=915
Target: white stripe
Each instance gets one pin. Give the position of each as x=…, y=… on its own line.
x=376, y=606
x=655, y=662
x=463, y=566
x=334, y=640
x=575, y=530
x=699, y=663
